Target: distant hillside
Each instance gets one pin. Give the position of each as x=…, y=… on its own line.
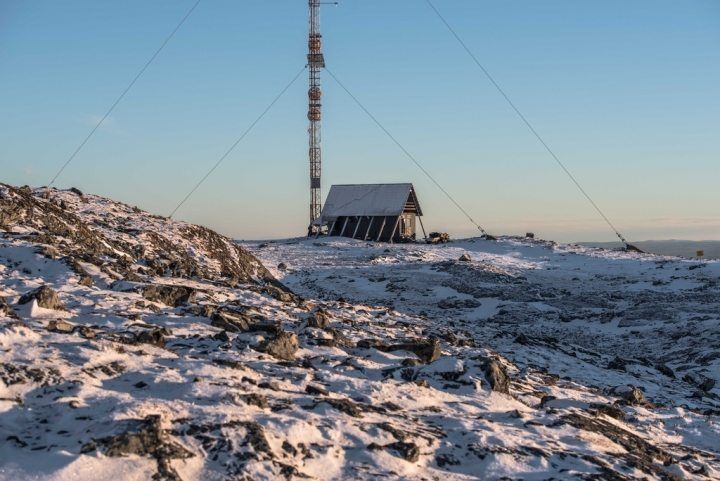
x=672, y=247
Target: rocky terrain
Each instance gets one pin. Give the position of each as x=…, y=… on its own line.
x=138, y=347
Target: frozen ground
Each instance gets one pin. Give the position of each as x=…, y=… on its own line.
x=531, y=361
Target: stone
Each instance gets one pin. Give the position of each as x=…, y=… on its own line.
x=372, y=343
x=86, y=281
x=143, y=438
x=283, y=346
x=60, y=326
x=662, y=368
x=6, y=310
x=345, y=405
x=271, y=327
x=465, y=258
x=427, y=351
x=400, y=435
x=631, y=394
x=608, y=410
x=154, y=337
x=221, y=336
x=316, y=390
x=410, y=452
x=522, y=339
x=340, y=338
x=707, y=385
x=411, y=362
x=617, y=364
x=45, y=298
x=272, y=385
x=319, y=320
x=234, y=322
x=256, y=399
x=497, y=377
x=639, y=449
x=231, y=363
x=277, y=293
x=282, y=266
x=170, y=295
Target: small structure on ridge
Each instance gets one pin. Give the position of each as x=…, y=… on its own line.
x=378, y=212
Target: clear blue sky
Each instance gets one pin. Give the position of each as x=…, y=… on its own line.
x=627, y=94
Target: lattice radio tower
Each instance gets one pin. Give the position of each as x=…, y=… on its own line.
x=316, y=61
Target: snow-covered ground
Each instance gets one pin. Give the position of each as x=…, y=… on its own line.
x=530, y=361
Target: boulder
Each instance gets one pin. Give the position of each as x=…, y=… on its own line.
x=372, y=343
x=231, y=322
x=427, y=351
x=411, y=362
x=631, y=394
x=45, y=297
x=283, y=346
x=277, y=293
x=665, y=370
x=465, y=258
x=522, y=339
x=87, y=332
x=618, y=364
x=497, y=377
x=271, y=327
x=256, y=399
x=707, y=384
x=154, y=337
x=608, y=410
x=60, y=326
x=319, y=319
x=316, y=390
x=410, y=452
x=340, y=338
x=221, y=336
x=169, y=295
x=6, y=310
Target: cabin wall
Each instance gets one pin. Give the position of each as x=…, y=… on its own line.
x=359, y=226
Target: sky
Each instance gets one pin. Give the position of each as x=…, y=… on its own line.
x=625, y=93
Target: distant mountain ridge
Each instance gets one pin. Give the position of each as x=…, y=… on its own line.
x=671, y=247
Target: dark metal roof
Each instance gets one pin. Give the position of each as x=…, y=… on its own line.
x=367, y=200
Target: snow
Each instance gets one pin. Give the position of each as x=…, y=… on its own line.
x=553, y=315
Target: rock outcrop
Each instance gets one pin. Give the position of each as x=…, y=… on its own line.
x=45, y=298
x=126, y=242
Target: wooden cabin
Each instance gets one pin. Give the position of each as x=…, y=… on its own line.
x=378, y=212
